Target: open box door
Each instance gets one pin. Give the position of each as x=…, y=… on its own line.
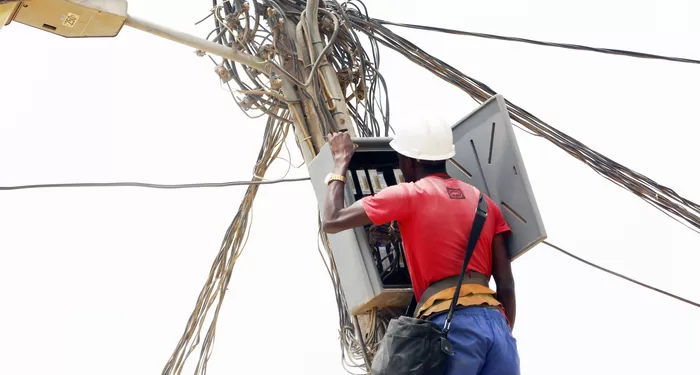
x=488, y=158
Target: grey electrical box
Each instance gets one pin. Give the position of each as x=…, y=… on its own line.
x=487, y=158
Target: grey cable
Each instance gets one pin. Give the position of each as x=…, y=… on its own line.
x=270, y=182
x=657, y=290
x=609, y=51
x=155, y=186
x=661, y=197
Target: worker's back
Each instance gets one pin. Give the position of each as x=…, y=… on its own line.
x=435, y=219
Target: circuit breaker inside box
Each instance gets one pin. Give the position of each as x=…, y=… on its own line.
x=368, y=174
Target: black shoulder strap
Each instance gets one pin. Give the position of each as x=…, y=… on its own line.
x=411, y=309
x=478, y=223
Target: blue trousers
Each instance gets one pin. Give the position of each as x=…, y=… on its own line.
x=482, y=343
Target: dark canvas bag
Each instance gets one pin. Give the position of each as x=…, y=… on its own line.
x=413, y=346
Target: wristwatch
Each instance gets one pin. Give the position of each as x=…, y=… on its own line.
x=334, y=177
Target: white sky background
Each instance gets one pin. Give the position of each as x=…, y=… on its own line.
x=102, y=281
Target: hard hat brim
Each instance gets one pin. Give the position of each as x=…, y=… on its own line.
x=426, y=157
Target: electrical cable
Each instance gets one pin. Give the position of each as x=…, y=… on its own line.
x=358, y=74
x=611, y=51
x=352, y=350
x=235, y=239
x=156, y=186
x=657, y=290
x=659, y=196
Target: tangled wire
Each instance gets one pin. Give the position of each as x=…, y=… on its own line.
x=239, y=26
x=276, y=32
x=312, y=83
x=234, y=241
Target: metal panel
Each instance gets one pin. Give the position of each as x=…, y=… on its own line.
x=356, y=268
x=360, y=281
x=488, y=151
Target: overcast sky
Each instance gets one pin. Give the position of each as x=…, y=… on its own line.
x=102, y=280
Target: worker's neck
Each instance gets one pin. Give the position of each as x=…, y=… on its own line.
x=422, y=173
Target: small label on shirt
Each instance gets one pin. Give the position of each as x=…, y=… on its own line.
x=455, y=193
x=399, y=176
x=364, y=184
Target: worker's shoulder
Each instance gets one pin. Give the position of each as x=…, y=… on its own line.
x=406, y=187
x=446, y=187
x=458, y=189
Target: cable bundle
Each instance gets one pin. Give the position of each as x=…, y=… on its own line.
x=237, y=25
x=215, y=288
x=659, y=196
x=353, y=350
x=609, y=51
x=240, y=25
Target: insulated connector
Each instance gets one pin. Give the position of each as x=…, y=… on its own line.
x=266, y=52
x=247, y=103
x=223, y=73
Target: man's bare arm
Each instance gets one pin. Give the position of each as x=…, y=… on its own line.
x=335, y=217
x=503, y=275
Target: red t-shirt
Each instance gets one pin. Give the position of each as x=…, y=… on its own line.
x=435, y=216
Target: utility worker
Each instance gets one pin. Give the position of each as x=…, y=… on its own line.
x=434, y=213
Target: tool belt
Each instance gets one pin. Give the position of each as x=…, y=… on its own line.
x=470, y=277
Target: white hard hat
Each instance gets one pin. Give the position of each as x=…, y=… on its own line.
x=424, y=140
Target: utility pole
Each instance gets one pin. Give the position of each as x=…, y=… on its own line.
x=306, y=120
x=337, y=105
x=309, y=48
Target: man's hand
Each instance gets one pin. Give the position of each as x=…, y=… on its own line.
x=342, y=148
x=335, y=217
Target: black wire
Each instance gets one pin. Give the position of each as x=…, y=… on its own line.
x=661, y=197
x=622, y=276
x=610, y=51
x=154, y=186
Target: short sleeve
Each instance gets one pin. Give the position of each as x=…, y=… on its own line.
x=390, y=204
x=501, y=226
